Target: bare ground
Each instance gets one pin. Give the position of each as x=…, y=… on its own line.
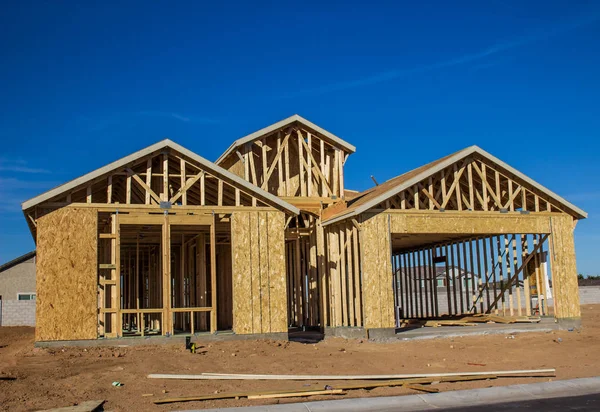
x=49, y=378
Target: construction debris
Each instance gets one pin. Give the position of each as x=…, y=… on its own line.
x=297, y=394
x=415, y=384
x=469, y=320
x=240, y=376
x=7, y=378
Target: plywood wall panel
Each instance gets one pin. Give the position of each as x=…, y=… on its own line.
x=277, y=281
x=468, y=223
x=242, y=272
x=255, y=266
x=564, y=269
x=263, y=249
x=386, y=285
x=259, y=283
x=67, y=271
x=378, y=298
x=371, y=277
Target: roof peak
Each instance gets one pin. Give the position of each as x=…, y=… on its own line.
x=283, y=123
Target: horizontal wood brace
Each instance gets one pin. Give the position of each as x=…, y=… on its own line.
x=142, y=311
x=203, y=309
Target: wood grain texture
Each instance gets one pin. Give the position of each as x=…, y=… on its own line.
x=371, y=277
x=277, y=282
x=468, y=223
x=242, y=272
x=564, y=269
x=255, y=272
x=67, y=271
x=264, y=273
x=377, y=292
x=259, y=283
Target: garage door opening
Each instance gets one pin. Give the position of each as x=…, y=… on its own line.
x=454, y=276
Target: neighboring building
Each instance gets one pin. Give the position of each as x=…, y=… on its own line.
x=17, y=291
x=165, y=242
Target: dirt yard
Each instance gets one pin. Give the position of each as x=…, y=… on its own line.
x=49, y=378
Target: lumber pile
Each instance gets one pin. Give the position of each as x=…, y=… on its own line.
x=473, y=320
x=418, y=382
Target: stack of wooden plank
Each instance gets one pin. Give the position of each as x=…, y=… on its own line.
x=473, y=320
x=419, y=382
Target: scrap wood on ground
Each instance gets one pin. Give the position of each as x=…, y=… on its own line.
x=249, y=376
x=414, y=382
x=468, y=320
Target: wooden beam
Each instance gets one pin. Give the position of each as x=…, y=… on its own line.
x=455, y=185
x=188, y=184
x=109, y=191
x=149, y=191
x=280, y=189
x=276, y=161
x=213, y=276
x=301, y=162
x=149, y=181
x=182, y=180
x=323, y=181
x=165, y=194
x=321, y=176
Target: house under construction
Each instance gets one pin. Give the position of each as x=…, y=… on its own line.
x=267, y=238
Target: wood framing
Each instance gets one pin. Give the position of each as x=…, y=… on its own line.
x=164, y=242
x=288, y=160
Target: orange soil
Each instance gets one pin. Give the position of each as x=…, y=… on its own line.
x=49, y=378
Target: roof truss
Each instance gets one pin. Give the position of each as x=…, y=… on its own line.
x=472, y=184
x=291, y=162
x=471, y=179
x=163, y=174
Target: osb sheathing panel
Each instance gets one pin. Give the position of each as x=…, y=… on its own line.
x=255, y=266
x=468, y=223
x=259, y=286
x=564, y=269
x=67, y=262
x=242, y=272
x=265, y=295
x=378, y=298
x=277, y=281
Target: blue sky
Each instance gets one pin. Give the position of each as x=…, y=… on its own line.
x=405, y=82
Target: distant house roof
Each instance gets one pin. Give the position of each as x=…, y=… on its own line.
x=283, y=123
x=16, y=261
x=422, y=272
x=375, y=195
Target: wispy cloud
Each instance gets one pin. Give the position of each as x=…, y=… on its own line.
x=461, y=60
x=13, y=191
x=179, y=116
x=18, y=166
x=19, y=184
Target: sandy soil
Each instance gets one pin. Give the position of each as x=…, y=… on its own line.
x=62, y=377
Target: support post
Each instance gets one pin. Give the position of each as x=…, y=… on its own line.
x=567, y=312
x=213, y=276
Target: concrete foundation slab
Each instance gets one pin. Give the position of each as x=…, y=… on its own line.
x=546, y=325
x=162, y=340
x=346, y=333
